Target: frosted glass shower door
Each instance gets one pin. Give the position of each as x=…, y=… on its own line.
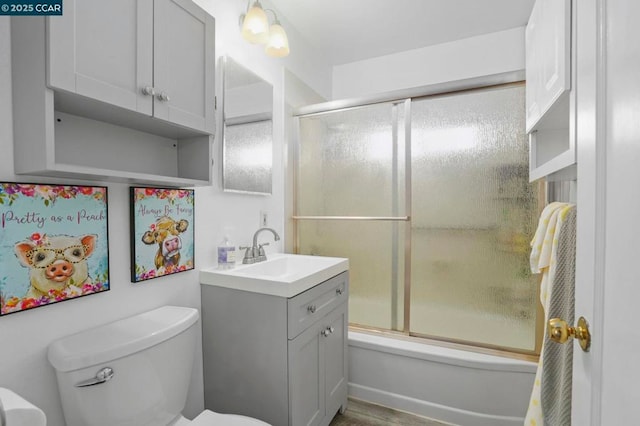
x=351, y=203
x=473, y=215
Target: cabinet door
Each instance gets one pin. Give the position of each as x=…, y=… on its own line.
x=548, y=56
x=103, y=50
x=335, y=359
x=306, y=377
x=532, y=72
x=184, y=38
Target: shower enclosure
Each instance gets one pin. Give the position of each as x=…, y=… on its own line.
x=429, y=199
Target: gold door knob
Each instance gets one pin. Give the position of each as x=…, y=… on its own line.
x=559, y=331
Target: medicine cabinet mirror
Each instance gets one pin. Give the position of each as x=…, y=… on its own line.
x=247, y=146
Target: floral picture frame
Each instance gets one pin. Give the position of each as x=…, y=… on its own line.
x=162, y=232
x=53, y=244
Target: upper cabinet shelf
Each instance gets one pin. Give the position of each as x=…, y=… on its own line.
x=549, y=94
x=116, y=91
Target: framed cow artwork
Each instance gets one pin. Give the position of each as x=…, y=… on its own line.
x=162, y=236
x=53, y=244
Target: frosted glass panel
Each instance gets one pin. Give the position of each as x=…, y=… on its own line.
x=348, y=163
x=474, y=213
x=376, y=266
x=248, y=157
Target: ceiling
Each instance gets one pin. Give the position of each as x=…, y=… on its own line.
x=352, y=30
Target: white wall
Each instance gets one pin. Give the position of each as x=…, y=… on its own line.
x=471, y=57
x=25, y=336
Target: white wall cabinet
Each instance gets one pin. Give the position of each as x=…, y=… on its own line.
x=120, y=90
x=548, y=61
x=549, y=100
x=151, y=56
x=281, y=360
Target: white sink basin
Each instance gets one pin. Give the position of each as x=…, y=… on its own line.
x=281, y=274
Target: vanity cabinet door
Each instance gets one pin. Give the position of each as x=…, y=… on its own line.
x=335, y=360
x=104, y=51
x=318, y=370
x=306, y=377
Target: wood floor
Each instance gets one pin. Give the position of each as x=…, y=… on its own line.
x=360, y=413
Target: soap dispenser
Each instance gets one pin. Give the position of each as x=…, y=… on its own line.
x=226, y=254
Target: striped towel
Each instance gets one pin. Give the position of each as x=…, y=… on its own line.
x=553, y=255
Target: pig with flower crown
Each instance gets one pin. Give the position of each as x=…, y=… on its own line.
x=57, y=263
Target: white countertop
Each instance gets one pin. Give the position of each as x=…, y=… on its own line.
x=284, y=275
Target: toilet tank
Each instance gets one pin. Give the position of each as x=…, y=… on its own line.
x=132, y=372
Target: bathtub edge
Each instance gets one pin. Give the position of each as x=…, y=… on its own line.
x=431, y=410
x=439, y=354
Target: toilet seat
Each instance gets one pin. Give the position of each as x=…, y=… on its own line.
x=210, y=418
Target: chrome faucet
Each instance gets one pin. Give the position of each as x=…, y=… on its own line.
x=256, y=253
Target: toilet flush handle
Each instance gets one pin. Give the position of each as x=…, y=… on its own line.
x=102, y=376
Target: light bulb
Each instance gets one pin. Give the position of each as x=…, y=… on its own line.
x=255, y=26
x=278, y=44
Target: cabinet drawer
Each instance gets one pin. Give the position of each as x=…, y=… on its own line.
x=306, y=308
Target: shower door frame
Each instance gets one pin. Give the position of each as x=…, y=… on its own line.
x=396, y=98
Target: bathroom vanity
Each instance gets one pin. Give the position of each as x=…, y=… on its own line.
x=274, y=338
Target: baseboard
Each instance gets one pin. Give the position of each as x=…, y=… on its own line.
x=431, y=410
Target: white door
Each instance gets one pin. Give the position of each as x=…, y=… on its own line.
x=605, y=382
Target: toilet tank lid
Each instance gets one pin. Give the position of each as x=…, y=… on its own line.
x=120, y=338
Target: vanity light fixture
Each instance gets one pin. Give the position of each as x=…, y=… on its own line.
x=255, y=29
x=255, y=25
x=278, y=44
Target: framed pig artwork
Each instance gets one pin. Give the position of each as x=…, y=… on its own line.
x=53, y=244
x=162, y=240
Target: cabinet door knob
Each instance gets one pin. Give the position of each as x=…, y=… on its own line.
x=162, y=96
x=311, y=309
x=327, y=331
x=148, y=91
x=339, y=291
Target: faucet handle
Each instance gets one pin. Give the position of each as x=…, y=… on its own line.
x=249, y=255
x=261, y=250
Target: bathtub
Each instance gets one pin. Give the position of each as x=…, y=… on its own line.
x=450, y=385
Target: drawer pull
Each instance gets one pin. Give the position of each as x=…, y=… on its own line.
x=311, y=309
x=339, y=291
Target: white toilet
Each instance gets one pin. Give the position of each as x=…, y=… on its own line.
x=17, y=411
x=133, y=372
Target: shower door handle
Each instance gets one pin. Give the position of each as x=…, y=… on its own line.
x=560, y=332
